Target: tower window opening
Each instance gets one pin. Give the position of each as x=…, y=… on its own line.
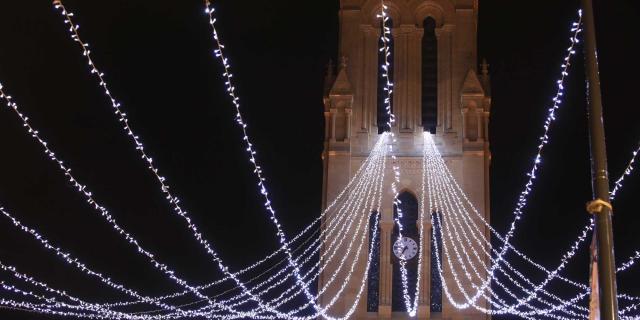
x=383, y=114
x=429, y=76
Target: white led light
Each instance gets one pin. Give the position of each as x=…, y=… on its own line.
x=627, y=172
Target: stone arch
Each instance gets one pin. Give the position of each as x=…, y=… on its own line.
x=442, y=11
x=398, y=11
x=407, y=190
x=411, y=206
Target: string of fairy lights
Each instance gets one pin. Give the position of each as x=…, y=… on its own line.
x=330, y=252
x=411, y=305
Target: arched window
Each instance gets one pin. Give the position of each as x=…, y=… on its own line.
x=436, y=281
x=429, y=76
x=373, y=281
x=409, y=207
x=383, y=115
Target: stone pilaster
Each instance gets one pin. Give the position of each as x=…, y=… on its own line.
x=405, y=64
x=424, y=305
x=334, y=117
x=415, y=80
x=445, y=79
x=386, y=270
x=480, y=126
x=370, y=80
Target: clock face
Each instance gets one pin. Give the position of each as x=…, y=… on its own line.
x=405, y=248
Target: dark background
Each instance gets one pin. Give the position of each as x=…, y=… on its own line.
x=157, y=59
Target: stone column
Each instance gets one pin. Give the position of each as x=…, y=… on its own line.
x=327, y=126
x=368, y=117
x=485, y=116
x=348, y=116
x=334, y=115
x=386, y=270
x=464, y=124
x=480, y=118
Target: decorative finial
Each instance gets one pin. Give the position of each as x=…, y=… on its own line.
x=485, y=67
x=343, y=62
x=330, y=70
x=328, y=78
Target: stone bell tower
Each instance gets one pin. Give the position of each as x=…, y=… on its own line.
x=439, y=88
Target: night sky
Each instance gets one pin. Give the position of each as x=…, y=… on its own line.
x=157, y=56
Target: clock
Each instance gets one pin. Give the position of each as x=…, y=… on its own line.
x=405, y=248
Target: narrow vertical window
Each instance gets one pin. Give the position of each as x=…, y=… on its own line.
x=383, y=115
x=436, y=253
x=429, y=76
x=373, y=280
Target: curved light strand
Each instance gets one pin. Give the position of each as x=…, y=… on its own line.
x=67, y=171
x=627, y=172
x=173, y=201
x=452, y=198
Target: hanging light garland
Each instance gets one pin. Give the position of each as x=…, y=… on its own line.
x=378, y=149
x=172, y=199
x=128, y=130
x=411, y=304
x=328, y=229
x=51, y=154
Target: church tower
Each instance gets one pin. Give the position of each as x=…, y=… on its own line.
x=439, y=88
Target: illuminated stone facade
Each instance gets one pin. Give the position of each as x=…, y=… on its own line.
x=461, y=125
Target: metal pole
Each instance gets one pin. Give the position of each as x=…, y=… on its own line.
x=600, y=206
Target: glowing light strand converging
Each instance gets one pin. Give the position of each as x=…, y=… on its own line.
x=411, y=305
